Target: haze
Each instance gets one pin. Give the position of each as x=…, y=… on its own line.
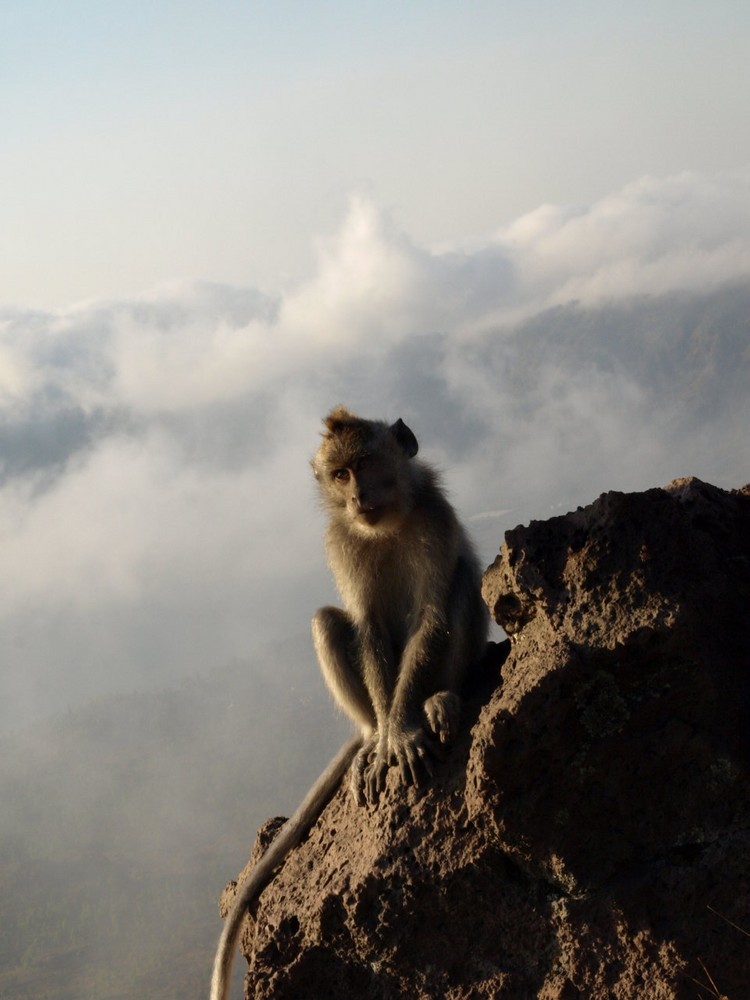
x=217, y=222
x=523, y=227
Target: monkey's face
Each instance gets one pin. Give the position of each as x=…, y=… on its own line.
x=370, y=492
x=364, y=471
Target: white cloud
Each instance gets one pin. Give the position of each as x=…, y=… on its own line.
x=653, y=236
x=374, y=287
x=172, y=519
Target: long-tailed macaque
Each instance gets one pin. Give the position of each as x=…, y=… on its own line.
x=413, y=626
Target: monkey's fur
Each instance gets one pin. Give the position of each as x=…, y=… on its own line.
x=413, y=626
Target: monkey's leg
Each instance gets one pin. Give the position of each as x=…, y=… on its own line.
x=336, y=643
x=335, y=640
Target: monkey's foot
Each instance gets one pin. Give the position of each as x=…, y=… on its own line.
x=443, y=714
x=376, y=759
x=412, y=752
x=374, y=777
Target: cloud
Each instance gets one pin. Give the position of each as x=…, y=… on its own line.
x=157, y=514
x=654, y=236
x=374, y=286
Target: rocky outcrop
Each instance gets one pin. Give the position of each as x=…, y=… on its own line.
x=590, y=835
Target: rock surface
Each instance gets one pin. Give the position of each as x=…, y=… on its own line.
x=590, y=835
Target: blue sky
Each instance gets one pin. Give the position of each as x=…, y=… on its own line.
x=146, y=141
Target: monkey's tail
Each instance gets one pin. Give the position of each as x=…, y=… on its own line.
x=290, y=835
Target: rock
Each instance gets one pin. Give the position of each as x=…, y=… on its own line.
x=589, y=836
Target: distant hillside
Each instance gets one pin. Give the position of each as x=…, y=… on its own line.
x=555, y=406
x=121, y=823
x=618, y=396
x=691, y=351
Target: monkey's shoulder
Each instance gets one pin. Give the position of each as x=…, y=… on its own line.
x=431, y=510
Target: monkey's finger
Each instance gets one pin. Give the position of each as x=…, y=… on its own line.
x=375, y=779
x=371, y=789
x=413, y=765
x=358, y=786
x=405, y=770
x=444, y=729
x=401, y=753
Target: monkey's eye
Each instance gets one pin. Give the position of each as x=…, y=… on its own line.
x=340, y=475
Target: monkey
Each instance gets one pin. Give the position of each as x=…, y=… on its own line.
x=414, y=622
x=412, y=629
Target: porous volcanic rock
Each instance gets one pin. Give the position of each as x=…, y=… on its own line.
x=589, y=836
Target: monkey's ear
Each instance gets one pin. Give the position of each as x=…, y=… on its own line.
x=405, y=438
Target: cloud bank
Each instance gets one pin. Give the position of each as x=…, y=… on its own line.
x=156, y=510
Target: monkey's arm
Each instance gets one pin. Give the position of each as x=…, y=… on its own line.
x=290, y=835
x=402, y=737
x=379, y=675
x=419, y=677
x=379, y=670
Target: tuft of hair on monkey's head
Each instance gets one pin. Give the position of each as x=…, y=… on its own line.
x=339, y=418
x=364, y=472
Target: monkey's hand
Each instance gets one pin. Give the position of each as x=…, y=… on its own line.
x=443, y=714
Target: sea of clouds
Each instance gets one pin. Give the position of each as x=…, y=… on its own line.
x=157, y=514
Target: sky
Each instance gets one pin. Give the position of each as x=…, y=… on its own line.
x=150, y=140
x=219, y=220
